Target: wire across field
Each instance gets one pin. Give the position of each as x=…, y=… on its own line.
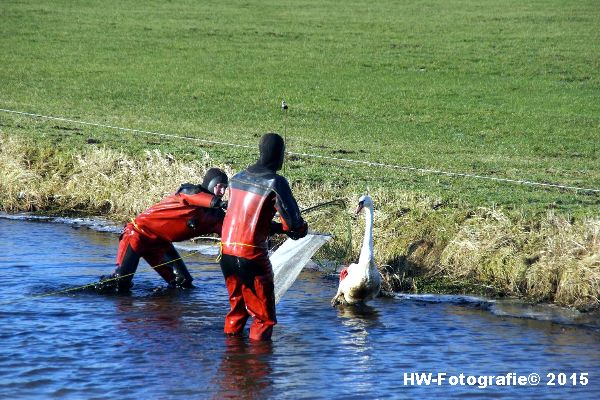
x=505, y=90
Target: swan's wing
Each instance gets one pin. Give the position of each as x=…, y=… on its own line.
x=374, y=273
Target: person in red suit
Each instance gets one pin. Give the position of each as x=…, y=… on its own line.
x=192, y=211
x=255, y=195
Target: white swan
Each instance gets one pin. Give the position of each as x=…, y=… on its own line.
x=361, y=281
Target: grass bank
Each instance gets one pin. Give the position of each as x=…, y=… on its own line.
x=422, y=244
x=505, y=89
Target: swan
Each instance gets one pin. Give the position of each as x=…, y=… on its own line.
x=361, y=281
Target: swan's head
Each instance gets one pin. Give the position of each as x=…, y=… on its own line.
x=364, y=201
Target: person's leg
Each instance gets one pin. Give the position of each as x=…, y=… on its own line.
x=183, y=278
x=126, y=265
x=237, y=316
x=126, y=268
x=161, y=260
x=260, y=302
x=259, y=296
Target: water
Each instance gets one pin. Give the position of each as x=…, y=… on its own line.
x=82, y=345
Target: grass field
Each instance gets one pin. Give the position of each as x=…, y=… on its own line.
x=500, y=88
x=506, y=89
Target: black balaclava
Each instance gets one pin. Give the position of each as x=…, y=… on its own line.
x=272, y=150
x=213, y=177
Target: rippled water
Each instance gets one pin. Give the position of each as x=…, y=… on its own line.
x=83, y=345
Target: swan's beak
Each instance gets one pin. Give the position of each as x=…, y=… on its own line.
x=359, y=208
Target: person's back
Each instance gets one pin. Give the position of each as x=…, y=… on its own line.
x=193, y=210
x=256, y=194
x=180, y=217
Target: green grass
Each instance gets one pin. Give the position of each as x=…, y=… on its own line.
x=501, y=88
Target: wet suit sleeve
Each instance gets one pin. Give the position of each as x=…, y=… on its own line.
x=201, y=199
x=276, y=228
x=292, y=222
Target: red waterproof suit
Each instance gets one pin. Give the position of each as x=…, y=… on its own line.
x=177, y=217
x=256, y=194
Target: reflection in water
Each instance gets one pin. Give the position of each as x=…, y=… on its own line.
x=359, y=319
x=244, y=372
x=362, y=312
x=149, y=313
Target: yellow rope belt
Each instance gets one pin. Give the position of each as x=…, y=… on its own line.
x=137, y=228
x=236, y=244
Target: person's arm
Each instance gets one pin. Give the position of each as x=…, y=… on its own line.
x=203, y=199
x=292, y=222
x=276, y=228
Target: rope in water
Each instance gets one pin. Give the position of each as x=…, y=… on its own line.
x=323, y=157
x=89, y=285
x=76, y=288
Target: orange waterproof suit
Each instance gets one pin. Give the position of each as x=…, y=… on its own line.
x=256, y=194
x=150, y=235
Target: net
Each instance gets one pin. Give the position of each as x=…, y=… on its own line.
x=289, y=259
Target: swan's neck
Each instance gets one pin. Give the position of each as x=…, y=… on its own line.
x=366, y=253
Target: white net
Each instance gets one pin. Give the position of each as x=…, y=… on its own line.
x=289, y=259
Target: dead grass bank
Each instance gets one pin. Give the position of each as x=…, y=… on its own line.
x=421, y=243
x=97, y=181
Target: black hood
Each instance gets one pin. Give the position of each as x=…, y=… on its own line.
x=272, y=151
x=213, y=177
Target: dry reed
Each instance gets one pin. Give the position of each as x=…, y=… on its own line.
x=551, y=259
x=98, y=181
